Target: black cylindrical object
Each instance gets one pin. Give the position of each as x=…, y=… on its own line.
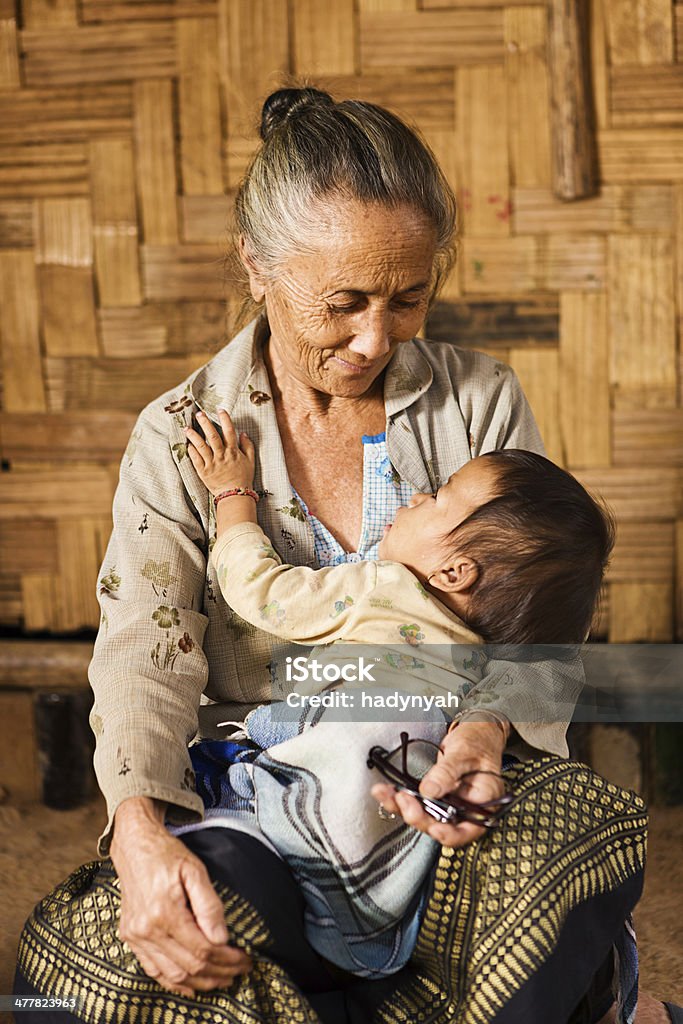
x=65, y=745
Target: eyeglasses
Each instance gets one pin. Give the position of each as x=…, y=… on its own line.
x=406, y=766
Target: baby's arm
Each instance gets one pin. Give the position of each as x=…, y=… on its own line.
x=296, y=603
x=223, y=464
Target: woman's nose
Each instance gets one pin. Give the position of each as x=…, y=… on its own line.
x=371, y=338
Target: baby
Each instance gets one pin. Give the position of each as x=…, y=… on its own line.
x=511, y=550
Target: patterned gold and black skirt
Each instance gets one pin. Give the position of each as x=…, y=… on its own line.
x=526, y=925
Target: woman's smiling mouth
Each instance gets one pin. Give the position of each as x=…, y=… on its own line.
x=357, y=368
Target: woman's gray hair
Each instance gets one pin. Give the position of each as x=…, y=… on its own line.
x=314, y=148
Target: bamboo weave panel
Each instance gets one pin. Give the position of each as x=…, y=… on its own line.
x=125, y=126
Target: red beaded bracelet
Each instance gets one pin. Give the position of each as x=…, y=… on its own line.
x=246, y=491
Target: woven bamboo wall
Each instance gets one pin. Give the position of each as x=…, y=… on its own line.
x=126, y=124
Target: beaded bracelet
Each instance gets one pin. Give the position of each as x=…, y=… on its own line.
x=246, y=491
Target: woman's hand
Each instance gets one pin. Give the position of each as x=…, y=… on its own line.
x=469, y=747
x=221, y=462
x=171, y=917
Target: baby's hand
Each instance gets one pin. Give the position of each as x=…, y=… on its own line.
x=221, y=462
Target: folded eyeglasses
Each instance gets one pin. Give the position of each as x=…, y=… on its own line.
x=406, y=766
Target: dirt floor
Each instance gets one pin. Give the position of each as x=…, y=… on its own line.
x=39, y=846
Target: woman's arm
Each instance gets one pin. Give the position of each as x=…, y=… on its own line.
x=147, y=673
x=171, y=916
x=494, y=406
x=538, y=697
x=148, y=668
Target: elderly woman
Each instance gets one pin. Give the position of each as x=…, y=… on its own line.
x=346, y=229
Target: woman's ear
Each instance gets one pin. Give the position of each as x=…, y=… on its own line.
x=256, y=283
x=456, y=578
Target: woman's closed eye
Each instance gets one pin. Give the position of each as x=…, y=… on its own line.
x=349, y=307
x=359, y=303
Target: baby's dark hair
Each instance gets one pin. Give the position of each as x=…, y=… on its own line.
x=541, y=547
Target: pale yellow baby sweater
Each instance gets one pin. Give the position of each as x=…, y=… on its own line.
x=383, y=603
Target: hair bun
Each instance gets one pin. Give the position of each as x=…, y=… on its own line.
x=282, y=103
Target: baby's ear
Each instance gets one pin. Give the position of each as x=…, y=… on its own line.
x=457, y=577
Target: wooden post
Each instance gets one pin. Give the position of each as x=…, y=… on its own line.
x=573, y=140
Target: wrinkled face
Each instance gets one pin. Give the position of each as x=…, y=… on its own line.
x=338, y=313
x=419, y=535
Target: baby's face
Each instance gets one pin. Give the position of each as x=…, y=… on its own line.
x=418, y=537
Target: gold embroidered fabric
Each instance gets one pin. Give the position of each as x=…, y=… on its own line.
x=494, y=917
